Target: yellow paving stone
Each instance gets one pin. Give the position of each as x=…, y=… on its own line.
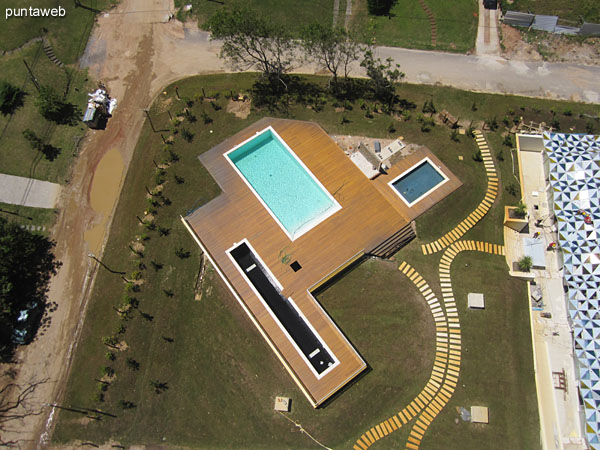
x=410, y=272
x=403, y=417
x=424, y=249
x=416, y=434
x=414, y=440
x=402, y=265
x=378, y=430
x=433, y=382
x=429, y=391
x=438, y=403
x=443, y=397
x=419, y=403
x=426, y=417
x=391, y=424
x=384, y=429
x=370, y=436
x=420, y=427
x=412, y=446
x=424, y=397
x=408, y=414
x=397, y=422
x=449, y=390
x=365, y=439
x=411, y=410
x=362, y=446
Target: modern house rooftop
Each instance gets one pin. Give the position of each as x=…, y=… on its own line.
x=371, y=216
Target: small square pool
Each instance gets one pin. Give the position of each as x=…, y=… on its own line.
x=417, y=182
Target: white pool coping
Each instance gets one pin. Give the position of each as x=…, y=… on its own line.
x=418, y=199
x=268, y=308
x=311, y=223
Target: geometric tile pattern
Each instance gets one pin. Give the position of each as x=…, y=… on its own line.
x=446, y=366
x=574, y=172
x=472, y=219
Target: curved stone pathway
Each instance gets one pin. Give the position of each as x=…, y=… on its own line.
x=427, y=395
x=490, y=196
x=446, y=367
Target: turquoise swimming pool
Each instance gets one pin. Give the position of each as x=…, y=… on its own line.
x=283, y=184
x=418, y=181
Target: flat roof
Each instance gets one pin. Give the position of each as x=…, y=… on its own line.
x=369, y=215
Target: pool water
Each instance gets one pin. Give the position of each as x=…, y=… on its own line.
x=286, y=187
x=418, y=182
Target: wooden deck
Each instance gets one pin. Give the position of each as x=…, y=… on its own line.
x=368, y=216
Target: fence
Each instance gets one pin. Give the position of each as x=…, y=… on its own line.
x=548, y=23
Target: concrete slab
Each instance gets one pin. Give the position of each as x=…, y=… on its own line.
x=475, y=301
x=28, y=192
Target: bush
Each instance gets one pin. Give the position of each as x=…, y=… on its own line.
x=477, y=156
x=508, y=140
x=52, y=107
x=521, y=210
x=11, y=98
x=512, y=189
x=525, y=263
x=380, y=7
x=500, y=155
x=492, y=123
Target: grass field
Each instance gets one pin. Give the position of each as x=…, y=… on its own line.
x=68, y=36
x=408, y=25
x=290, y=13
x=216, y=376
x=33, y=218
x=573, y=11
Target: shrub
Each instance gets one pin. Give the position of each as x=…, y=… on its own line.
x=492, y=123
x=454, y=136
x=380, y=7
x=11, y=98
x=512, y=189
x=521, y=210
x=508, y=140
x=525, y=263
x=500, y=155
x=477, y=156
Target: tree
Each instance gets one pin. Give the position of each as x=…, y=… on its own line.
x=11, y=98
x=380, y=7
x=52, y=107
x=50, y=152
x=26, y=266
x=253, y=41
x=382, y=76
x=330, y=48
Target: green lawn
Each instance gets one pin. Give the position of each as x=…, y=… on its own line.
x=408, y=25
x=292, y=14
x=568, y=10
x=38, y=219
x=68, y=36
x=220, y=376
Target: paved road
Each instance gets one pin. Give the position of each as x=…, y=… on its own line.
x=498, y=75
x=28, y=192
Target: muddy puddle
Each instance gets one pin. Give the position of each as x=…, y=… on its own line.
x=103, y=195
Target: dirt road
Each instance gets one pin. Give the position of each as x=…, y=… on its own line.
x=135, y=54
x=130, y=51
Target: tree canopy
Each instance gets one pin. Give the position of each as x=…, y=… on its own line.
x=380, y=7
x=11, y=98
x=331, y=48
x=382, y=76
x=53, y=108
x=26, y=266
x=253, y=41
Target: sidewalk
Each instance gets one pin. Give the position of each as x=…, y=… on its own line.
x=28, y=192
x=488, y=41
x=560, y=422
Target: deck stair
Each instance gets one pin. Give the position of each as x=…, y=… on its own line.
x=50, y=54
x=395, y=242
